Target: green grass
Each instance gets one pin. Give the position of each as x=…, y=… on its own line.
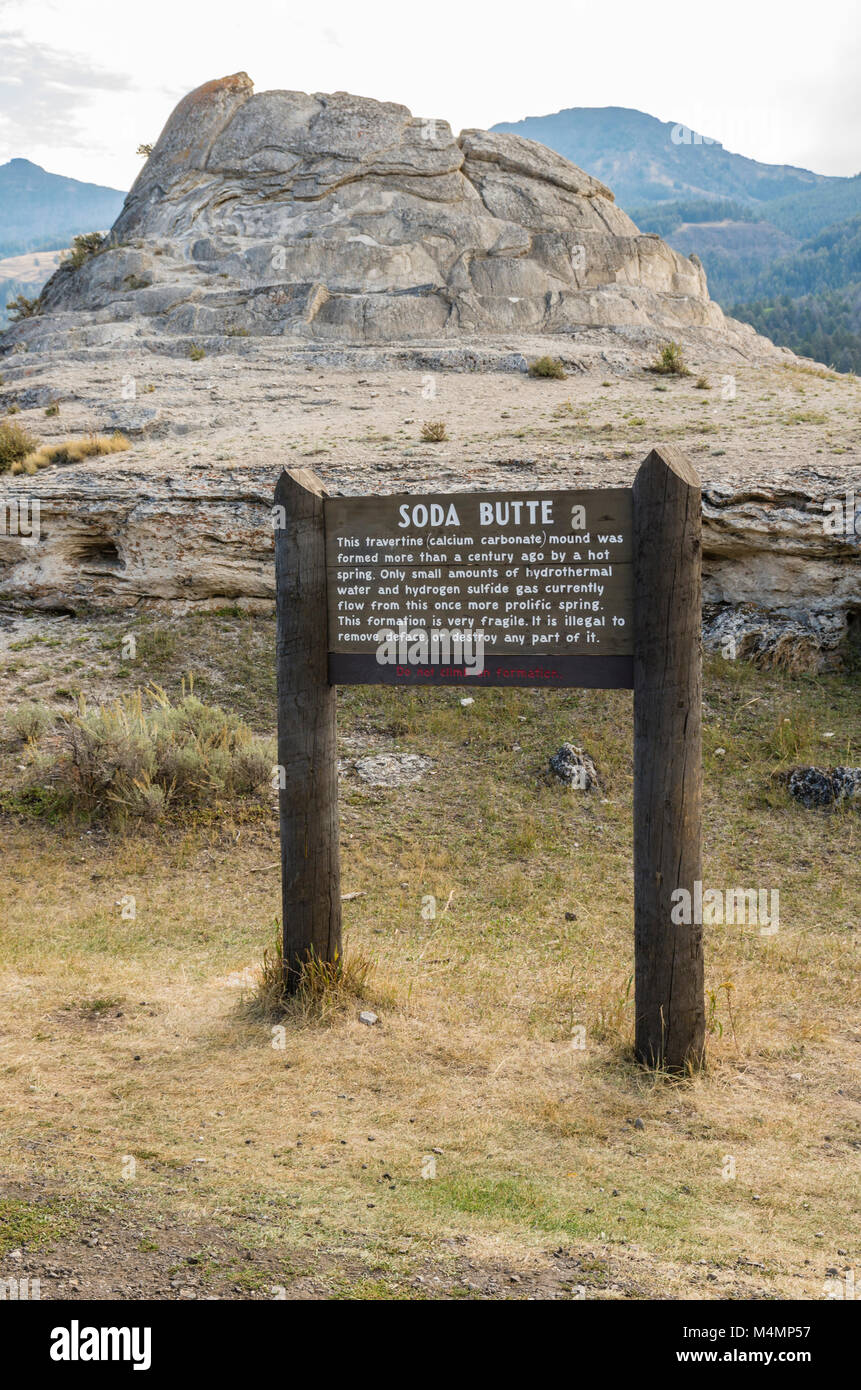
x=34, y=1222
x=670, y=361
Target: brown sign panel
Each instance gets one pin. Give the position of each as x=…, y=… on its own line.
x=481, y=588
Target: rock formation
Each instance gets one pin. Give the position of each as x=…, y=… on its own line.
x=338, y=219
x=280, y=234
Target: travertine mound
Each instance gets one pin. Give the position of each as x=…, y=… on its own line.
x=337, y=219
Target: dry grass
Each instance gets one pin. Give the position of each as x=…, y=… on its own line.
x=72, y=451
x=16, y=444
x=325, y=989
x=325, y=1131
x=433, y=432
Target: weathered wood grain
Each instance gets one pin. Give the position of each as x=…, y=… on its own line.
x=669, y=1006
x=307, y=743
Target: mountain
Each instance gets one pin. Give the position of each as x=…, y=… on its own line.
x=645, y=160
x=780, y=245
x=41, y=211
x=804, y=216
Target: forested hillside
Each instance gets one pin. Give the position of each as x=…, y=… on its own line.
x=781, y=246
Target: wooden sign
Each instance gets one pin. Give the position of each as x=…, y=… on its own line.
x=599, y=588
x=482, y=588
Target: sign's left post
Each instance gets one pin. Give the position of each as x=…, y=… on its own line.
x=307, y=730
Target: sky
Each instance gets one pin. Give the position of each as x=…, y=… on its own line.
x=82, y=84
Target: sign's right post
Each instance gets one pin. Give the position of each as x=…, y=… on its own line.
x=667, y=574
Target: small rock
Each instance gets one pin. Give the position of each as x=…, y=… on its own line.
x=816, y=786
x=366, y=1016
x=571, y=766
x=392, y=769
x=468, y=700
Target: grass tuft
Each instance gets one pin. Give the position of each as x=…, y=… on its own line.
x=30, y=721
x=72, y=451
x=15, y=444
x=326, y=989
x=143, y=754
x=433, y=432
x=669, y=362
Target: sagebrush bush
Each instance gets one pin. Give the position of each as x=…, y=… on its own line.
x=15, y=444
x=30, y=721
x=144, y=755
x=547, y=367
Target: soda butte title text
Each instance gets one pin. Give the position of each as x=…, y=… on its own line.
x=513, y=512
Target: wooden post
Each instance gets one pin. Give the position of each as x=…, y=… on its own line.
x=667, y=536
x=307, y=742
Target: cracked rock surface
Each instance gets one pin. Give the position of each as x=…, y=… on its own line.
x=338, y=219
x=304, y=280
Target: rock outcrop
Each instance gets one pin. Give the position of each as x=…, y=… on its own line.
x=279, y=235
x=338, y=219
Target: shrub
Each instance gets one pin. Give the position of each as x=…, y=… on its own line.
x=83, y=248
x=52, y=409
x=433, y=431
x=196, y=353
x=702, y=383
x=72, y=451
x=547, y=367
x=15, y=444
x=22, y=308
x=30, y=721
x=669, y=362
x=143, y=755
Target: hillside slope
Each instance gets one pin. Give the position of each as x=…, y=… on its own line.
x=39, y=210
x=646, y=160
x=780, y=245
